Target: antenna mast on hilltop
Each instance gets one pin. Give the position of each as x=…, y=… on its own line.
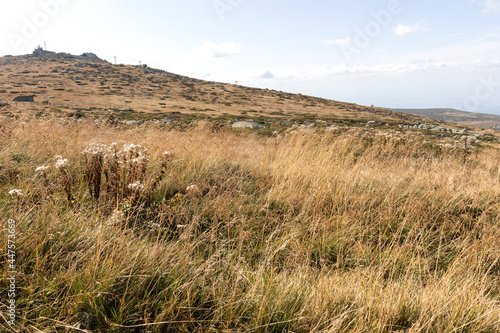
x=115, y=59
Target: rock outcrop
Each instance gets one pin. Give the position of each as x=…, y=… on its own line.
x=90, y=57
x=247, y=124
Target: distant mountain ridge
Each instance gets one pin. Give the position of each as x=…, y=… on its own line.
x=482, y=120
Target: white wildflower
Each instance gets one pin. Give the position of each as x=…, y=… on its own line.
x=134, y=151
x=140, y=159
x=42, y=168
x=17, y=193
x=131, y=147
x=193, y=191
x=61, y=162
x=94, y=149
x=112, y=147
x=191, y=188
x=117, y=217
x=137, y=186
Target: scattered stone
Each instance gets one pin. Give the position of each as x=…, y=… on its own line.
x=332, y=128
x=132, y=122
x=247, y=124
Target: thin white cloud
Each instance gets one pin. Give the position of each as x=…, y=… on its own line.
x=491, y=7
x=402, y=30
x=326, y=72
x=341, y=41
x=223, y=50
x=267, y=75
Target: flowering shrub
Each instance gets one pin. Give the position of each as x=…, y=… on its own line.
x=119, y=174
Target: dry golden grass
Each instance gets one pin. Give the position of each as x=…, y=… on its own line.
x=345, y=232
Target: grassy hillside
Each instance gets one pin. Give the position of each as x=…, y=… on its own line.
x=352, y=230
x=63, y=86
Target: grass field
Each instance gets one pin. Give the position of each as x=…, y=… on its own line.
x=354, y=230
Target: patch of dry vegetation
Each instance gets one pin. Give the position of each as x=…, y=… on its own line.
x=337, y=232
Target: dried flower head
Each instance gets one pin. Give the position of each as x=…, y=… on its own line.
x=193, y=191
x=131, y=147
x=136, y=186
x=94, y=149
x=17, y=193
x=61, y=162
x=42, y=168
x=140, y=159
x=192, y=188
x=117, y=217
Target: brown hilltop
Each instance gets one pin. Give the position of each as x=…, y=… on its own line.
x=81, y=82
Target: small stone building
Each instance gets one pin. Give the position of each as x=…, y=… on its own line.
x=26, y=99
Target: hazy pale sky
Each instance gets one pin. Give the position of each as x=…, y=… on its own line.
x=393, y=53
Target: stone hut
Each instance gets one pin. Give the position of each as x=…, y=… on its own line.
x=26, y=99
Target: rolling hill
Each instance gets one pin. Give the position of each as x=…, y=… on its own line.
x=482, y=120
x=63, y=83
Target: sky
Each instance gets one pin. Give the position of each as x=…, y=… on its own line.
x=387, y=53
